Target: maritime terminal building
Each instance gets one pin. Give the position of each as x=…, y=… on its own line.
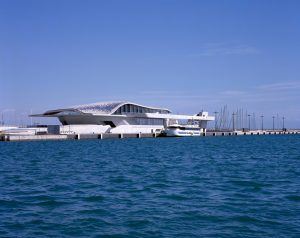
x=121, y=117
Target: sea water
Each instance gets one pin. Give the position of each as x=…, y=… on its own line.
x=247, y=186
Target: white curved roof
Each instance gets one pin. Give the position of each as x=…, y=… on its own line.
x=98, y=108
x=108, y=107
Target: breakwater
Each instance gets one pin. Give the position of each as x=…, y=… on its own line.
x=139, y=135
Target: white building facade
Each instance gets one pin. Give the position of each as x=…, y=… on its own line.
x=120, y=117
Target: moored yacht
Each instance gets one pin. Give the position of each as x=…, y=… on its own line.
x=183, y=130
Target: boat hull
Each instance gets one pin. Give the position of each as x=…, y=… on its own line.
x=182, y=133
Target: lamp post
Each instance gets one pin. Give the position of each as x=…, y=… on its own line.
x=262, y=122
x=233, y=129
x=249, y=122
x=30, y=117
x=23, y=118
x=216, y=120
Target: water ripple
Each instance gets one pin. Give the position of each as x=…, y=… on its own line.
x=187, y=187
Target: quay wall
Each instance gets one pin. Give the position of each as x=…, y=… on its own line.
x=4, y=137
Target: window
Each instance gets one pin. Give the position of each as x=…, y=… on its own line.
x=127, y=108
x=118, y=111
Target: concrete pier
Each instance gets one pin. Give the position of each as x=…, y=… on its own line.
x=32, y=137
x=74, y=137
x=4, y=137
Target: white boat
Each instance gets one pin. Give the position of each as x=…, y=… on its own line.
x=183, y=130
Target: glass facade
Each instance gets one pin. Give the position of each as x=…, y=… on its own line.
x=130, y=108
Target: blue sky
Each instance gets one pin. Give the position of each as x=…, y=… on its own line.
x=183, y=55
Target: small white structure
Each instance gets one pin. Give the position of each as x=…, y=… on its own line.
x=23, y=130
x=4, y=128
x=77, y=129
x=120, y=117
